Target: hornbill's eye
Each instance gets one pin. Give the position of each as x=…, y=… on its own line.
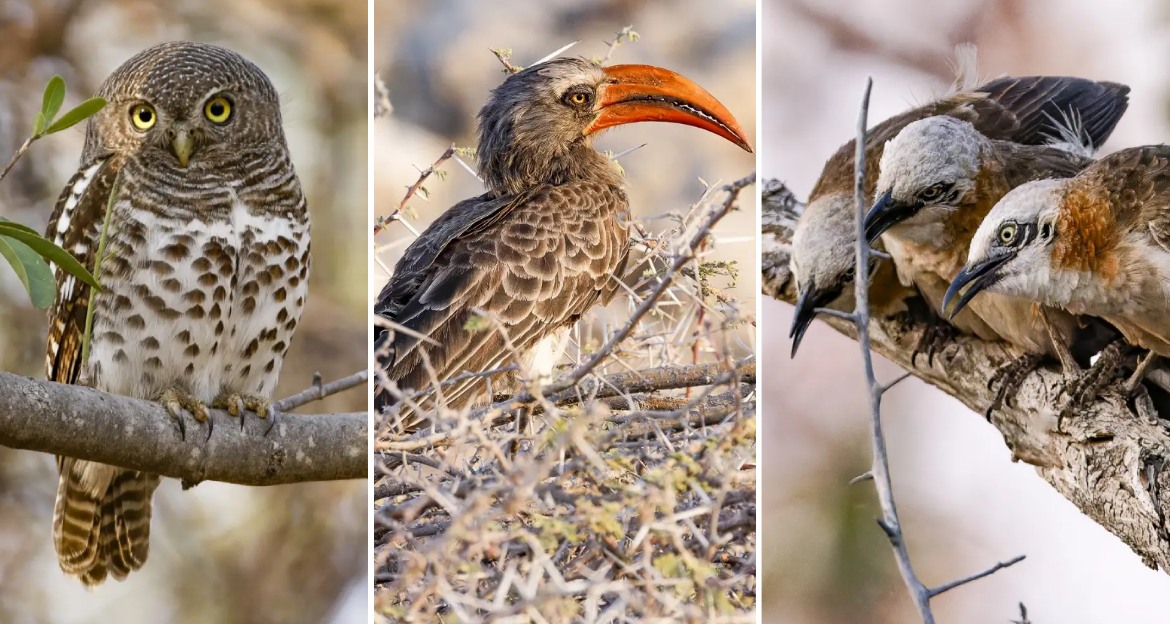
x=578, y=98
x=1007, y=234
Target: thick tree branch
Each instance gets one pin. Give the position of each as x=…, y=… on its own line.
x=1109, y=462
x=132, y=433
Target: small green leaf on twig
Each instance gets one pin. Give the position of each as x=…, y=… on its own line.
x=51, y=103
x=47, y=250
x=78, y=114
x=32, y=270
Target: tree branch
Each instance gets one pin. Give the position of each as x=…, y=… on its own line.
x=132, y=433
x=1110, y=463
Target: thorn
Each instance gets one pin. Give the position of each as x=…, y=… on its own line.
x=865, y=476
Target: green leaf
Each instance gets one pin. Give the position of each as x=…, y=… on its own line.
x=78, y=114
x=50, y=103
x=48, y=251
x=12, y=224
x=32, y=270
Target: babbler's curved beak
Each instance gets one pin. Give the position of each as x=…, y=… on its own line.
x=634, y=93
x=977, y=277
x=885, y=214
x=806, y=311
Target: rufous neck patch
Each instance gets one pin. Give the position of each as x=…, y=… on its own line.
x=1086, y=235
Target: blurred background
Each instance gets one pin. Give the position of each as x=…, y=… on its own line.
x=963, y=503
x=219, y=553
x=437, y=65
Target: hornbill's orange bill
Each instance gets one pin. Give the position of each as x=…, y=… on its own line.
x=634, y=93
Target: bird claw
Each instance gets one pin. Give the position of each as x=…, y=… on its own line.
x=238, y=404
x=1132, y=385
x=1083, y=388
x=176, y=401
x=937, y=336
x=1009, y=378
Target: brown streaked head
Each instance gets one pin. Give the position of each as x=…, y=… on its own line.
x=537, y=126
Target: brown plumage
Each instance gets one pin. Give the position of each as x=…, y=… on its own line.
x=204, y=272
x=939, y=178
x=497, y=274
x=1020, y=110
x=1097, y=244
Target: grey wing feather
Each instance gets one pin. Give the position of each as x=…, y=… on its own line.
x=1039, y=102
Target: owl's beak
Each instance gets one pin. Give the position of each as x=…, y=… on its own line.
x=182, y=143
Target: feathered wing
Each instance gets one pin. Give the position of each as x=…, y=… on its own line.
x=1029, y=110
x=101, y=519
x=1039, y=104
x=496, y=275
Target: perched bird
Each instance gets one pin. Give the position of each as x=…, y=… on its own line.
x=544, y=244
x=823, y=265
x=203, y=273
x=1022, y=110
x=940, y=176
x=1095, y=244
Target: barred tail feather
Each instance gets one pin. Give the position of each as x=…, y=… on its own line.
x=101, y=522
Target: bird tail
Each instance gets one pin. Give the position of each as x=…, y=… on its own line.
x=101, y=522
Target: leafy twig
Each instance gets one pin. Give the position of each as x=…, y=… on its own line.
x=626, y=34
x=380, y=224
x=504, y=55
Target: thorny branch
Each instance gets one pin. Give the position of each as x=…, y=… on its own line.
x=880, y=469
x=631, y=502
x=87, y=424
x=381, y=222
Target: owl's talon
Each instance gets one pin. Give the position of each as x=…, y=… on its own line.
x=238, y=405
x=176, y=401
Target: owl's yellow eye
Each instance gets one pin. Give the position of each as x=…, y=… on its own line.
x=1007, y=234
x=218, y=110
x=143, y=116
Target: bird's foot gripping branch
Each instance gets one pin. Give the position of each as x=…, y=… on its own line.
x=1110, y=463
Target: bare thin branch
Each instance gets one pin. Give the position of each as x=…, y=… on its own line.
x=880, y=469
x=318, y=391
x=975, y=577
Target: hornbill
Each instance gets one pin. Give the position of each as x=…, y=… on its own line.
x=496, y=275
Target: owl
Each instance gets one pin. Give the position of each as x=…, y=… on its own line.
x=186, y=176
